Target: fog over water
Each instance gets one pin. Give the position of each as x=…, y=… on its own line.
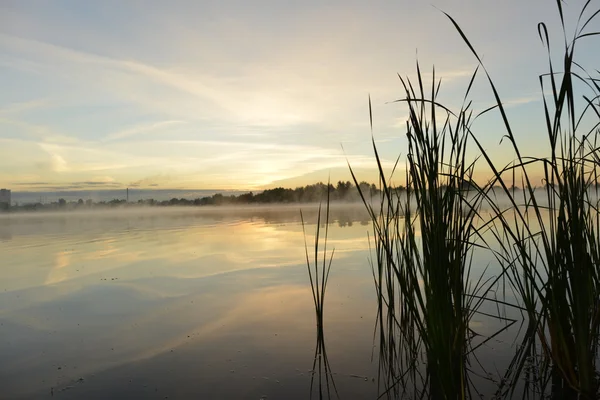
x=203, y=302
x=178, y=302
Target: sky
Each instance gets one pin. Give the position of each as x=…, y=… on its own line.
x=245, y=95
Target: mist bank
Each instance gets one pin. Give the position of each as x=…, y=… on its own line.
x=342, y=192
x=129, y=220
x=105, y=195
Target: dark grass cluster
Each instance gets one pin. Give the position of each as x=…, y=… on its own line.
x=550, y=239
x=318, y=274
x=424, y=243
x=547, y=242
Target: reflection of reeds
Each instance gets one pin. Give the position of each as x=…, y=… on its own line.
x=552, y=241
x=319, y=275
x=425, y=239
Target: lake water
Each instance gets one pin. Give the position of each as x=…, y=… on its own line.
x=209, y=303
x=180, y=303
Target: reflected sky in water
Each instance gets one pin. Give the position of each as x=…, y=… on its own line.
x=180, y=303
x=193, y=303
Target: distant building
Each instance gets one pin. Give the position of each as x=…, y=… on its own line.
x=4, y=198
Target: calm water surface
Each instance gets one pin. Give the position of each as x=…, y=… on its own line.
x=179, y=303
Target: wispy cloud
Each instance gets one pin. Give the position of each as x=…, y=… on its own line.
x=142, y=128
x=225, y=94
x=151, y=181
x=30, y=183
x=37, y=131
x=67, y=185
x=20, y=107
x=523, y=100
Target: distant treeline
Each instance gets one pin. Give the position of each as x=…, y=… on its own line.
x=342, y=191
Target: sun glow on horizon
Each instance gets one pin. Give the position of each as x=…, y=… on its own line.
x=201, y=96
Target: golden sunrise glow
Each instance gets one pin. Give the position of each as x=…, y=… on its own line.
x=242, y=100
